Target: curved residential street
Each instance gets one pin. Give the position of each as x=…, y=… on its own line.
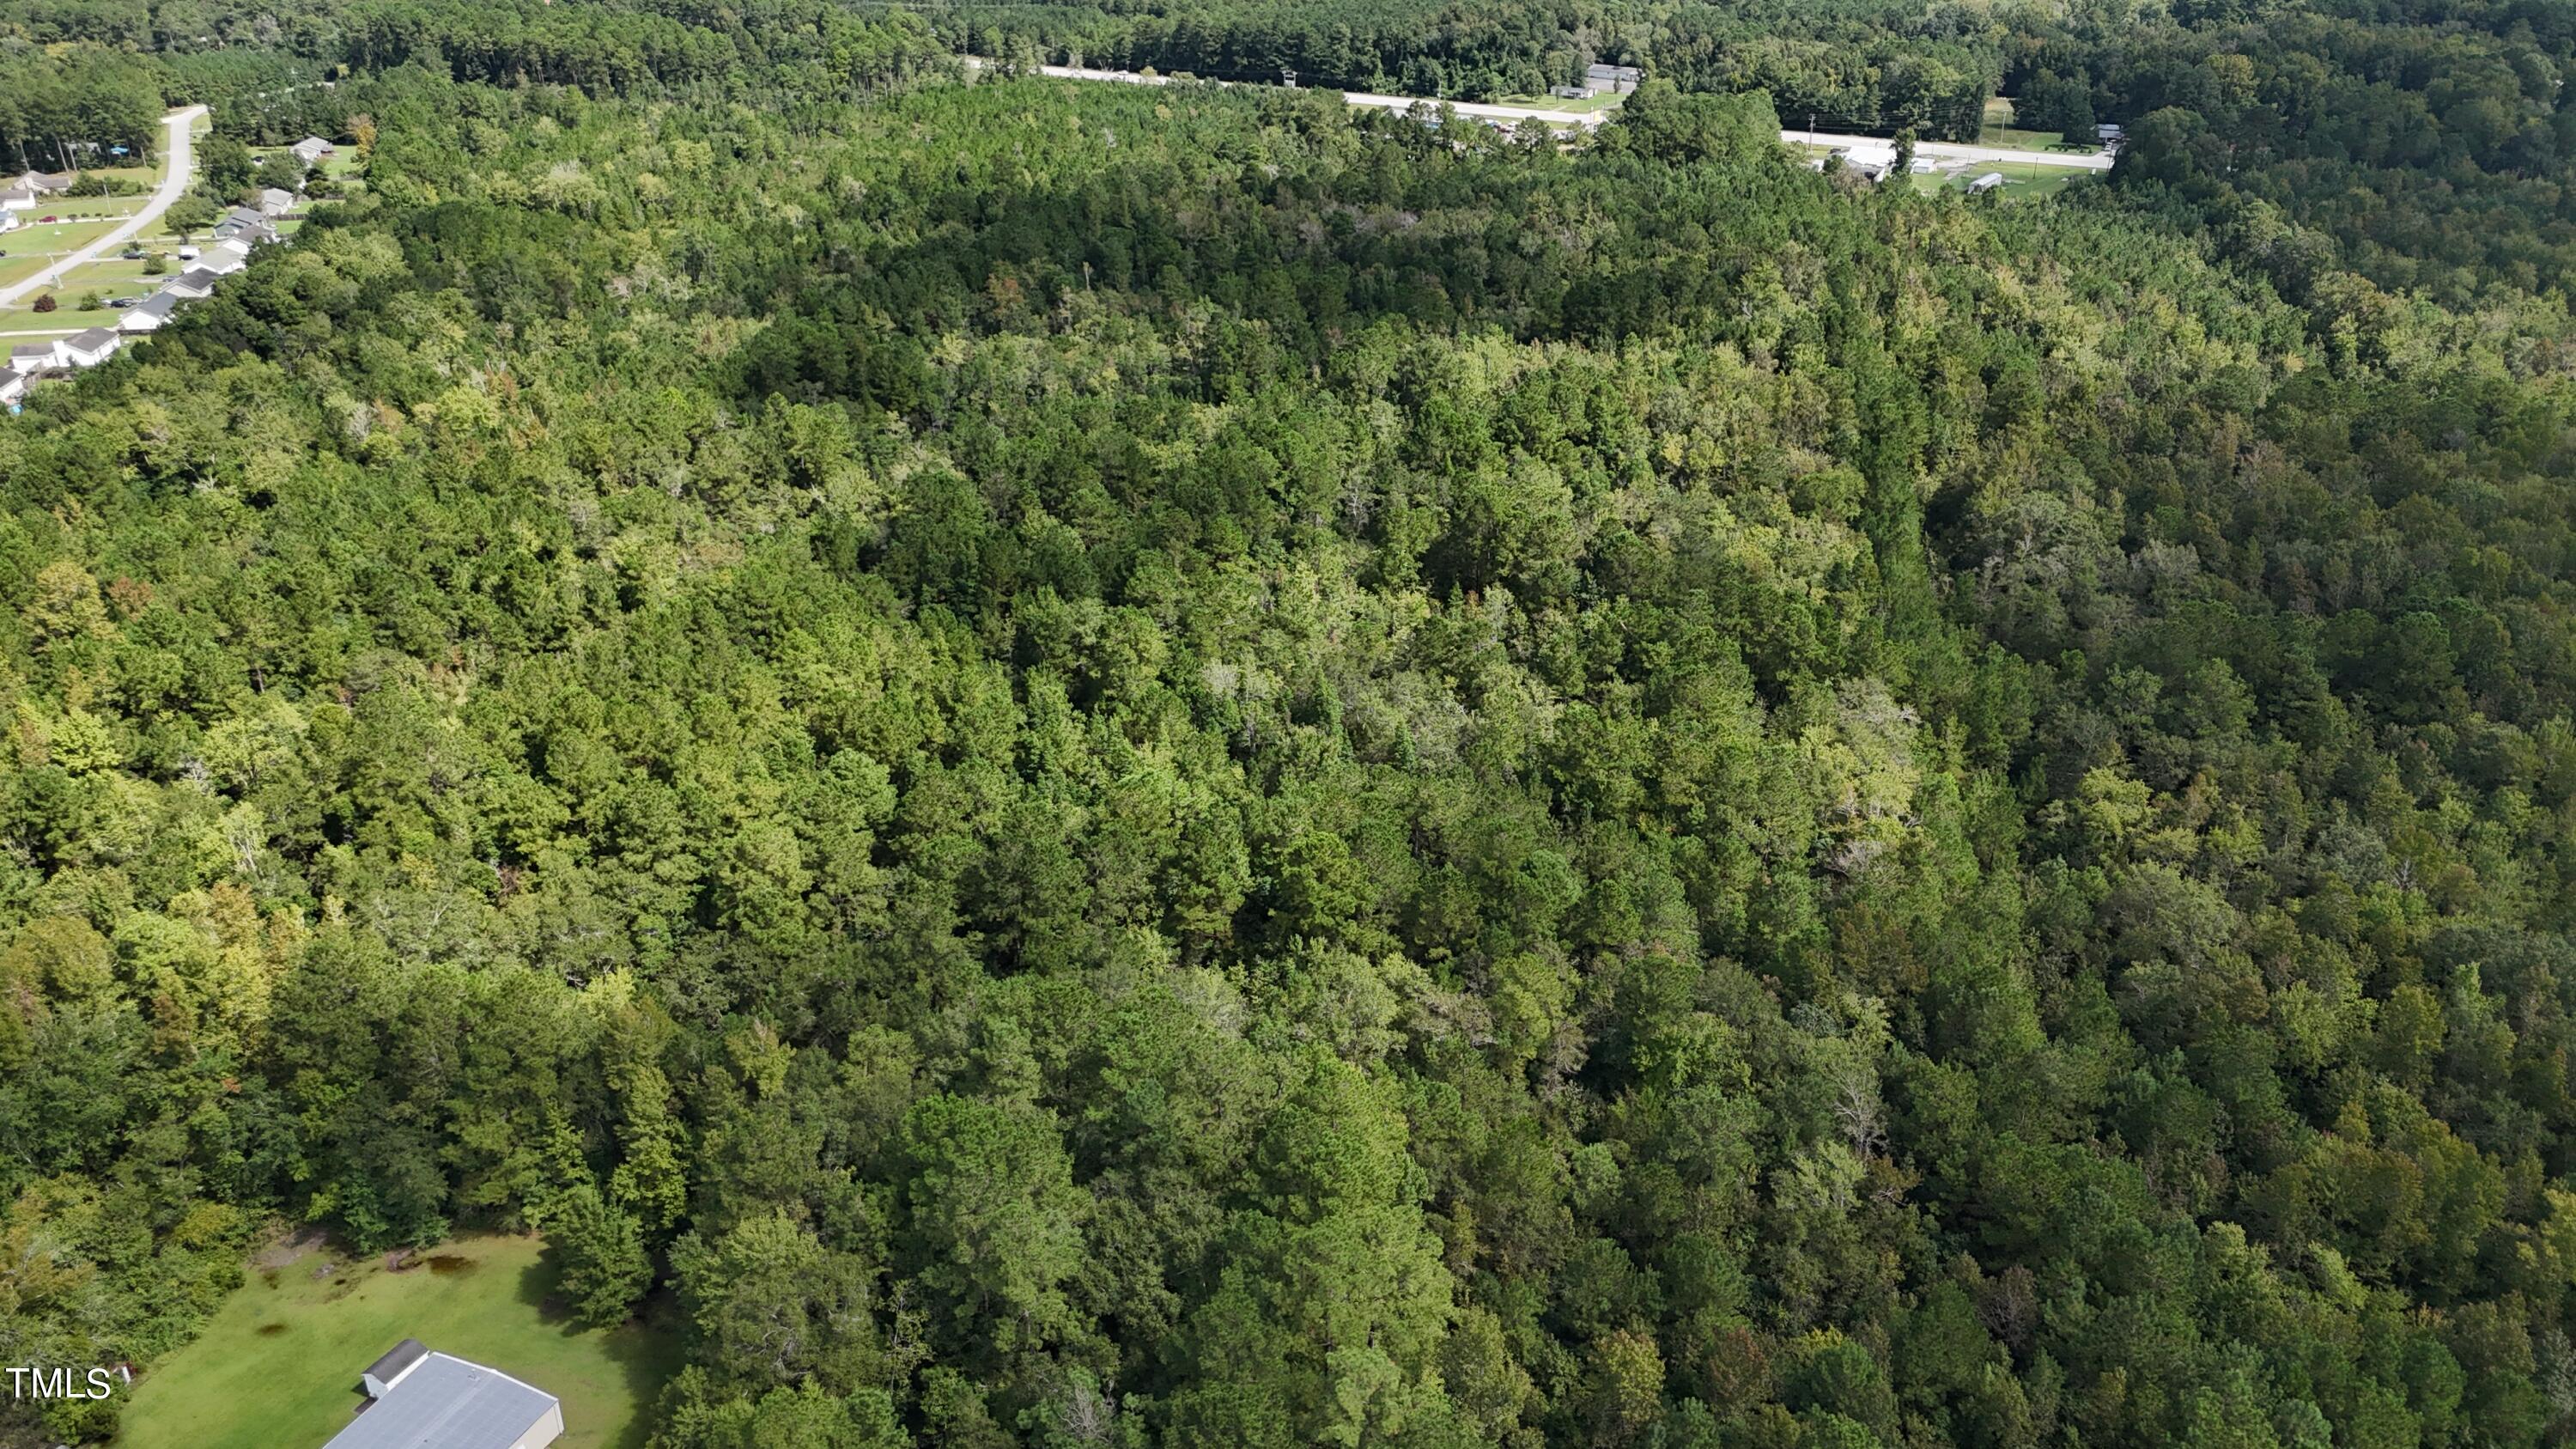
x=176, y=163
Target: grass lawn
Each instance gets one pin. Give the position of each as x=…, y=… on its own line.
x=278, y=1366
x=33, y=248
x=2021, y=182
x=110, y=276
x=2000, y=131
x=1602, y=102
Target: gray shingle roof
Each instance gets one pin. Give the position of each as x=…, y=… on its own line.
x=447, y=1403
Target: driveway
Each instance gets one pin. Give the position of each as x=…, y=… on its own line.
x=176, y=162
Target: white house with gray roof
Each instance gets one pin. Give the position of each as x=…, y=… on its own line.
x=418, y=1399
x=224, y=258
x=149, y=315
x=89, y=348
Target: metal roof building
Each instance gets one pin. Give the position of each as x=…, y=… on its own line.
x=437, y=1401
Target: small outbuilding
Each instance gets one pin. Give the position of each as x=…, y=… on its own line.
x=1985, y=183
x=399, y=1360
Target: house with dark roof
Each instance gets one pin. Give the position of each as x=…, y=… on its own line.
x=245, y=225
x=193, y=283
x=147, y=315
x=35, y=357
x=419, y=1399
x=90, y=348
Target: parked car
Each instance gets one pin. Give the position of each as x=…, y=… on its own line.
x=131, y=254
x=123, y=301
x=42, y=219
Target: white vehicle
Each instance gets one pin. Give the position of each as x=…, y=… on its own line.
x=187, y=254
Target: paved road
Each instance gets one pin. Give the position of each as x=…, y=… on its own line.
x=1954, y=151
x=1938, y=150
x=175, y=162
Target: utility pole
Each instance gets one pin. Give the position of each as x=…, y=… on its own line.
x=1811, y=128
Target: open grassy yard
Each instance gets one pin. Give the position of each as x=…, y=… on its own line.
x=1606, y=101
x=110, y=276
x=2000, y=131
x=35, y=247
x=278, y=1366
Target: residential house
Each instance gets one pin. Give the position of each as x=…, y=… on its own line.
x=1873, y=162
x=44, y=183
x=1616, y=79
x=148, y=315
x=191, y=284
x=8, y=221
x=35, y=357
x=12, y=387
x=310, y=151
x=417, y=1397
x=90, y=348
x=247, y=227
x=19, y=198
x=224, y=258
x=241, y=219
x=275, y=202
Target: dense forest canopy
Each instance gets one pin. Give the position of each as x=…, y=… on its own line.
x=1075, y=765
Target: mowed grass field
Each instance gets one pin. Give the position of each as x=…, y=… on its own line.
x=278, y=1366
x=2000, y=131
